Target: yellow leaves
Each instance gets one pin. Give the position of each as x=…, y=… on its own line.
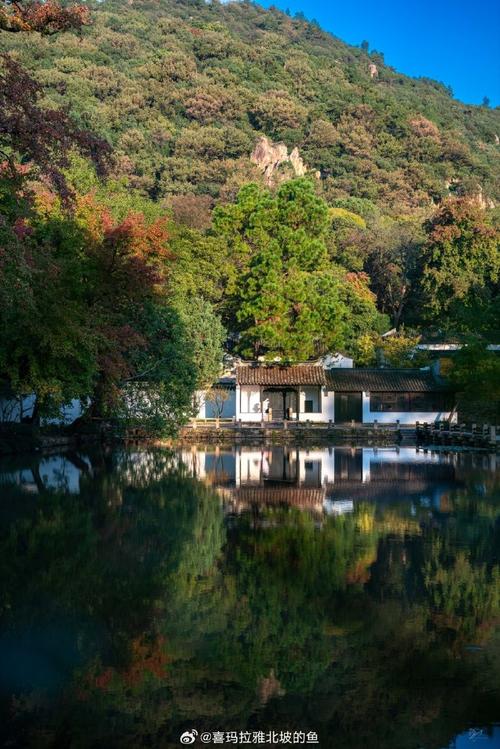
x=365, y=522
x=342, y=215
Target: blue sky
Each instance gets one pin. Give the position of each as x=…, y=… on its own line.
x=456, y=42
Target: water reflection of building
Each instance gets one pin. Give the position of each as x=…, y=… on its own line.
x=326, y=479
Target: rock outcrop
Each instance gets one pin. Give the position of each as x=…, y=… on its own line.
x=455, y=187
x=483, y=201
x=373, y=70
x=296, y=161
x=269, y=156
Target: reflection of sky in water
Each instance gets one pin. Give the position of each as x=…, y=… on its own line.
x=476, y=738
x=51, y=473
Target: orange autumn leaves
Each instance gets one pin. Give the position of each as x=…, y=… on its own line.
x=146, y=659
x=45, y=17
x=131, y=249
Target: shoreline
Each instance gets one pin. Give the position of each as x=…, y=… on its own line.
x=22, y=439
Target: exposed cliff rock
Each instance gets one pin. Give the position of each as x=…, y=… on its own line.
x=484, y=202
x=269, y=687
x=296, y=161
x=373, y=70
x=476, y=195
x=269, y=156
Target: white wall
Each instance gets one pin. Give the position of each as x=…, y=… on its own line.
x=328, y=401
x=249, y=396
x=310, y=394
x=327, y=412
x=337, y=361
x=248, y=403
x=404, y=417
x=15, y=409
x=67, y=414
x=206, y=408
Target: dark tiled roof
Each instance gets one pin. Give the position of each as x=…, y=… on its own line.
x=266, y=374
x=384, y=380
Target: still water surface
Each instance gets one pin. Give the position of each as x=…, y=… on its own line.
x=352, y=593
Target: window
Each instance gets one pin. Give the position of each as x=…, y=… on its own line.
x=308, y=406
x=430, y=402
x=422, y=402
x=389, y=402
x=407, y=402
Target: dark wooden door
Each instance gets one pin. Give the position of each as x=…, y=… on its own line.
x=277, y=404
x=348, y=407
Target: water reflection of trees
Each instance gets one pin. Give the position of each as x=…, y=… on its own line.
x=376, y=628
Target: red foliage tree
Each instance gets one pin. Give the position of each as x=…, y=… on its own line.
x=45, y=17
x=29, y=135
x=39, y=139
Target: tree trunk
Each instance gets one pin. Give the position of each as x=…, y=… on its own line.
x=34, y=419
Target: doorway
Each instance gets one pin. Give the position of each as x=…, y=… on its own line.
x=348, y=407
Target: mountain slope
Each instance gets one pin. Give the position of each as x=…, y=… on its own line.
x=183, y=89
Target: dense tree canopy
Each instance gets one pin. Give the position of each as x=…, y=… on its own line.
x=460, y=266
x=86, y=313
x=289, y=299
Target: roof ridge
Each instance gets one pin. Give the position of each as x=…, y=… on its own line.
x=386, y=369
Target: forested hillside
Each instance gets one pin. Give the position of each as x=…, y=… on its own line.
x=183, y=88
x=182, y=176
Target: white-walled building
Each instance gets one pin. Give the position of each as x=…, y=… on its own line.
x=388, y=396
x=324, y=392
x=18, y=409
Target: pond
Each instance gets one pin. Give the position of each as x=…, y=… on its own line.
x=338, y=597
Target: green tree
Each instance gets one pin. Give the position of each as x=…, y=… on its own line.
x=459, y=267
x=205, y=336
x=289, y=299
x=476, y=372
x=392, y=250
